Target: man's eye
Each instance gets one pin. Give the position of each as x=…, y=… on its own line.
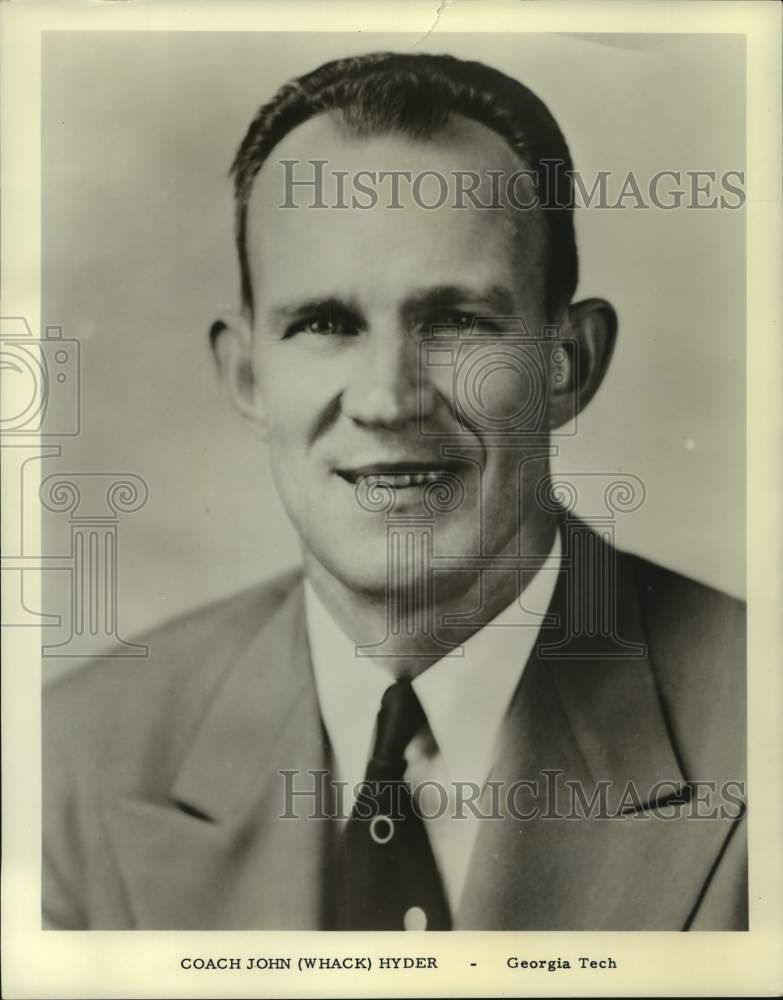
x=460, y=319
x=456, y=320
x=322, y=326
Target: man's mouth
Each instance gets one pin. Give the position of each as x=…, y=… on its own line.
x=397, y=475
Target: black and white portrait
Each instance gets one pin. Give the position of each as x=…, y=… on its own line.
x=396, y=520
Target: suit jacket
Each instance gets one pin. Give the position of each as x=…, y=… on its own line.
x=162, y=791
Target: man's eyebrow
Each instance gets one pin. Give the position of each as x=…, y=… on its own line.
x=496, y=299
x=493, y=299
x=316, y=305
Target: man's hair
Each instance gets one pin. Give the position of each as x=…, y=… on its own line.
x=414, y=95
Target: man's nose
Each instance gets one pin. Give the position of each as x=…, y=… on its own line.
x=387, y=389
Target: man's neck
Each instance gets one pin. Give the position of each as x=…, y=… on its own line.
x=419, y=638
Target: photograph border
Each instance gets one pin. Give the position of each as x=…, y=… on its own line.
x=56, y=964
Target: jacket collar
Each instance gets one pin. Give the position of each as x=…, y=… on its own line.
x=219, y=855
x=588, y=721
x=248, y=722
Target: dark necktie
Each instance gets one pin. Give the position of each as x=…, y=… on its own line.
x=386, y=875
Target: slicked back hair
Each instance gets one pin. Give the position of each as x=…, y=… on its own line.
x=414, y=95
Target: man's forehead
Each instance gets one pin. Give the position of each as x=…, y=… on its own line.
x=401, y=234
x=461, y=146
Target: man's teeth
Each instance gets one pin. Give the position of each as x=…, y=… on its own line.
x=400, y=480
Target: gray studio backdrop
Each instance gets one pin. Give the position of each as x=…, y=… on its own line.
x=139, y=130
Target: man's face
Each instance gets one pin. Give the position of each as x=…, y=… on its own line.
x=345, y=302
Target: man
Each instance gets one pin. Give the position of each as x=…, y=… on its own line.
x=469, y=711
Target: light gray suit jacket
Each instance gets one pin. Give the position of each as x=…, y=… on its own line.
x=162, y=785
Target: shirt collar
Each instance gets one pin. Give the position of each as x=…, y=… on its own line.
x=465, y=694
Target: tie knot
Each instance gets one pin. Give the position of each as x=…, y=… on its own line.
x=399, y=719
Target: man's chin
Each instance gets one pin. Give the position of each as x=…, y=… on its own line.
x=373, y=581
x=373, y=574
x=369, y=556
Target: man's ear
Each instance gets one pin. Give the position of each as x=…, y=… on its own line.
x=232, y=347
x=579, y=363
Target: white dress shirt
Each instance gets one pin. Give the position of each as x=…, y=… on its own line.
x=465, y=698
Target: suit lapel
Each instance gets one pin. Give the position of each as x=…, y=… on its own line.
x=594, y=720
x=218, y=855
